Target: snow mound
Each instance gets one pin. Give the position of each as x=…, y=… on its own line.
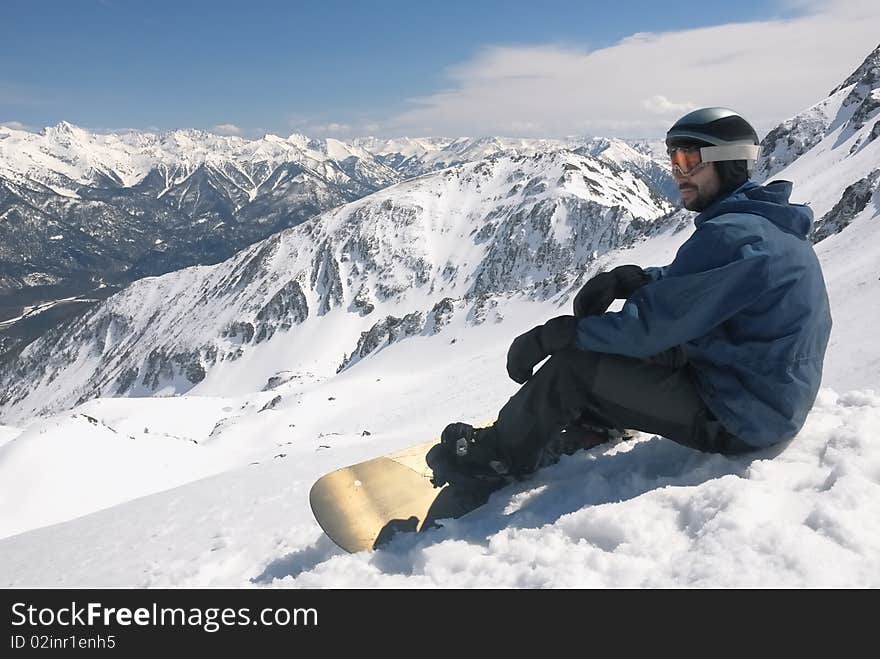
x=644, y=513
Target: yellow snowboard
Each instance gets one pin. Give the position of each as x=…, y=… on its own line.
x=362, y=506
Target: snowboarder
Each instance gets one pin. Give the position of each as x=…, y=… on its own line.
x=720, y=351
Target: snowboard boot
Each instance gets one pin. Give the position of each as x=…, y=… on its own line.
x=580, y=435
x=467, y=455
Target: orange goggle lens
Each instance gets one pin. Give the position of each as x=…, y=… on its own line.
x=684, y=159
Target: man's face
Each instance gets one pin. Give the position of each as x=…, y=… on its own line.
x=700, y=187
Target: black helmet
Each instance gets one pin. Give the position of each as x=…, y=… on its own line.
x=727, y=140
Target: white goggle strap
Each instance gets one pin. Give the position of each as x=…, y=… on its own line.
x=730, y=152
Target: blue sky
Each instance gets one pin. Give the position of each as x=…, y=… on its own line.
x=327, y=67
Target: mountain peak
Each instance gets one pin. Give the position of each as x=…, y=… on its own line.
x=299, y=140
x=64, y=128
x=868, y=72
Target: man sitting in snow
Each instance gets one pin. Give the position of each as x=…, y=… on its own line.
x=720, y=351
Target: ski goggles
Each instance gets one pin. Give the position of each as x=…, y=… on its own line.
x=685, y=159
x=688, y=159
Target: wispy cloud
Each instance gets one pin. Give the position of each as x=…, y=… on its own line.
x=316, y=127
x=767, y=70
x=226, y=129
x=659, y=104
x=16, y=125
x=332, y=127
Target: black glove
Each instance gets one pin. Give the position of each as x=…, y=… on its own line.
x=600, y=291
x=528, y=349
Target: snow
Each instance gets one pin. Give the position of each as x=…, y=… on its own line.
x=8, y=433
x=848, y=258
x=826, y=170
x=645, y=513
x=405, y=146
x=435, y=215
x=34, y=310
x=849, y=263
x=210, y=491
x=64, y=156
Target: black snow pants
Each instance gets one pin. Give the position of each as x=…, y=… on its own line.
x=611, y=391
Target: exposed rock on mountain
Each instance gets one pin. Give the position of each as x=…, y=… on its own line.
x=401, y=261
x=848, y=109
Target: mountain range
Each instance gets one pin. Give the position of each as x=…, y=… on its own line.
x=84, y=214
x=396, y=262
x=530, y=219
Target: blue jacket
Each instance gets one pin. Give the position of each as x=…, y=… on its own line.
x=746, y=300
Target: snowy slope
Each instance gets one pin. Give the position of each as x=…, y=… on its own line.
x=304, y=407
x=644, y=513
x=8, y=433
x=849, y=260
x=797, y=135
x=835, y=165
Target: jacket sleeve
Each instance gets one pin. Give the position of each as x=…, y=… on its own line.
x=709, y=281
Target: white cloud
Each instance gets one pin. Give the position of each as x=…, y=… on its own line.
x=767, y=70
x=226, y=129
x=16, y=125
x=332, y=127
x=659, y=104
x=316, y=127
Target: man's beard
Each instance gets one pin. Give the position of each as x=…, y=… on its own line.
x=698, y=203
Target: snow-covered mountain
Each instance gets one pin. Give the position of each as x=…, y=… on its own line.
x=414, y=157
x=64, y=158
x=80, y=210
x=398, y=262
x=830, y=150
x=832, y=154
x=839, y=177
x=83, y=214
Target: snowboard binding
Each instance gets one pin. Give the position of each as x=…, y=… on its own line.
x=467, y=456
